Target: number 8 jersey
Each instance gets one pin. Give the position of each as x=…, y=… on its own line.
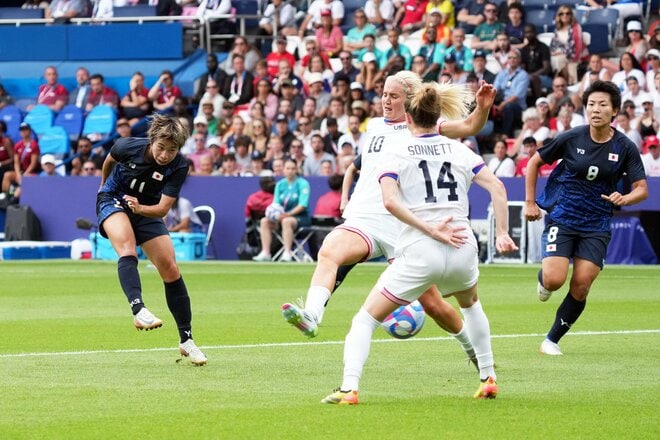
x=434, y=174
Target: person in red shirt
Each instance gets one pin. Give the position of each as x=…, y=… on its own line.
x=411, y=15
x=100, y=94
x=280, y=53
x=26, y=161
x=529, y=146
x=164, y=92
x=52, y=94
x=328, y=204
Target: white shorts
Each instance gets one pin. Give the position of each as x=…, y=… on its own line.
x=427, y=262
x=380, y=232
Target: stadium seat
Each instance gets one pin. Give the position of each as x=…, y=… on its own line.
x=40, y=118
x=100, y=122
x=135, y=11
x=13, y=117
x=247, y=7
x=606, y=16
x=544, y=20
x=600, y=37
x=20, y=13
x=348, y=21
x=71, y=119
x=581, y=15
x=207, y=215
x=54, y=140
x=530, y=5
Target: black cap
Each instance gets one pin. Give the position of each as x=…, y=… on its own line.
x=281, y=117
x=257, y=155
x=479, y=53
x=24, y=125
x=450, y=58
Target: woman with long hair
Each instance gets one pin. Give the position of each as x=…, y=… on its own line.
x=329, y=36
x=260, y=131
x=266, y=97
x=628, y=65
x=566, y=46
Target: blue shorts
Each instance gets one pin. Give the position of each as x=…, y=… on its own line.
x=560, y=241
x=144, y=228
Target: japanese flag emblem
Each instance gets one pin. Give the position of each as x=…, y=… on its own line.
x=157, y=176
x=613, y=157
x=551, y=247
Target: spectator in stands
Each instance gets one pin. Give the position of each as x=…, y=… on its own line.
x=653, y=66
x=442, y=32
x=327, y=204
x=135, y=104
x=237, y=129
x=275, y=58
x=624, y=126
x=313, y=18
x=212, y=72
x=26, y=161
x=337, y=111
x=200, y=150
x=64, y=10
x=242, y=47
x=257, y=202
x=282, y=130
x=651, y=160
x=576, y=118
x=536, y=62
x=471, y=15
x=636, y=95
x=359, y=109
x=458, y=76
x=345, y=156
x=410, y=16
x=304, y=134
x=352, y=136
x=515, y=25
x=484, y=34
x=567, y=47
x=100, y=94
x=292, y=193
x=238, y=88
x=285, y=108
x=317, y=92
x=316, y=65
x=6, y=151
x=311, y=49
x=211, y=121
x=83, y=153
x=513, y=83
x=289, y=92
x=502, y=165
x=229, y=166
x=530, y=146
x=206, y=166
x=199, y=127
x=182, y=217
x=259, y=135
x=543, y=107
x=309, y=111
x=532, y=127
x=52, y=94
x=563, y=122
x=479, y=67
x=501, y=50
x=628, y=65
x=279, y=18
x=243, y=153
x=332, y=136
x=637, y=44
x=312, y=165
x=380, y=13
x=329, y=36
x=446, y=9
x=296, y=153
x=463, y=54
x=35, y=4
x=559, y=93
x=348, y=70
x=354, y=40
x=79, y=95
x=397, y=48
x=257, y=167
x=210, y=10
x=212, y=94
x=264, y=95
x=89, y=169
x=163, y=93
x=48, y=166
x=274, y=150
x=285, y=72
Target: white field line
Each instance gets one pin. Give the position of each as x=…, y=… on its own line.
x=308, y=343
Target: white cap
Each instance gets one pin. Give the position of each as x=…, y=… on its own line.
x=200, y=119
x=653, y=52
x=542, y=100
x=314, y=77
x=356, y=86
x=47, y=158
x=368, y=57
x=634, y=26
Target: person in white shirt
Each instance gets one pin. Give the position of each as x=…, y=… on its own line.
x=651, y=160
x=502, y=165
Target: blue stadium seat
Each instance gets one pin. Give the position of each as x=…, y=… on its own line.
x=581, y=16
x=40, y=118
x=13, y=117
x=54, y=141
x=348, y=21
x=606, y=16
x=134, y=11
x=100, y=121
x=20, y=13
x=544, y=20
x=600, y=37
x=530, y=5
x=71, y=119
x=352, y=5
x=247, y=7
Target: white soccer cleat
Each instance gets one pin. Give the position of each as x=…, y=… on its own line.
x=190, y=350
x=145, y=320
x=544, y=294
x=550, y=348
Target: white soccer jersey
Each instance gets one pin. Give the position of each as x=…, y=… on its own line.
x=434, y=174
x=367, y=198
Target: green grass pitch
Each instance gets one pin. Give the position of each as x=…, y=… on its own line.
x=73, y=367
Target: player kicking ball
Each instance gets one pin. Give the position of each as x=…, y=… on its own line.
x=141, y=179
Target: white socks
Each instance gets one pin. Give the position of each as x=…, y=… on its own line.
x=478, y=329
x=317, y=296
x=356, y=348
x=464, y=339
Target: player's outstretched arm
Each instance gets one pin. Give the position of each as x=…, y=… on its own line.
x=473, y=124
x=488, y=181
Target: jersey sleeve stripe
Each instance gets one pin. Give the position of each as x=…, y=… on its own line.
x=394, y=176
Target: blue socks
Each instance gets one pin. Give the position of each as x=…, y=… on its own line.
x=129, y=279
x=568, y=312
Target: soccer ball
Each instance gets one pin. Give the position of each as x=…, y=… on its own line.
x=273, y=211
x=406, y=321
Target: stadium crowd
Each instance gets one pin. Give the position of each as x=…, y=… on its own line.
x=305, y=84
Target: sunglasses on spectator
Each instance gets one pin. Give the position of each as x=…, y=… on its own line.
x=303, y=123
x=89, y=169
x=199, y=139
x=211, y=87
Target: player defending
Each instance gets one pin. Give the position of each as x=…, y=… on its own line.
x=424, y=184
x=369, y=230
x=580, y=197
x=141, y=179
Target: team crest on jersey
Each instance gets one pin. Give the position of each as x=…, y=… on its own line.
x=157, y=176
x=551, y=247
x=613, y=157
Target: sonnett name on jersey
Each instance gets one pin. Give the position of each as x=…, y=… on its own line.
x=429, y=150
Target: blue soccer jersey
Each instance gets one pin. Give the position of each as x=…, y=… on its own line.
x=134, y=175
x=572, y=195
